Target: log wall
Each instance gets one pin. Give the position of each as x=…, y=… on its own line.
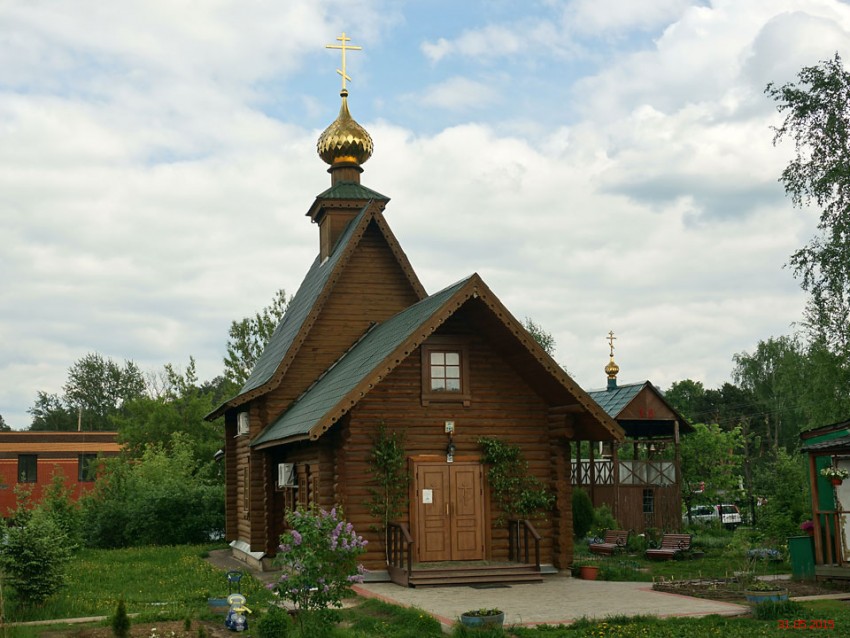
x=502, y=406
x=371, y=288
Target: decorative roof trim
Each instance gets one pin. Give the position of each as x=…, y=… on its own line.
x=473, y=288
x=372, y=213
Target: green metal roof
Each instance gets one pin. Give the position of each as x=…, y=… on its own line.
x=296, y=312
x=615, y=400
x=353, y=367
x=350, y=190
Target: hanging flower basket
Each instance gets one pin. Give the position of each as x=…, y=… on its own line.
x=835, y=474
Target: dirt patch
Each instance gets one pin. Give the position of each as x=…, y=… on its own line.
x=169, y=629
x=730, y=590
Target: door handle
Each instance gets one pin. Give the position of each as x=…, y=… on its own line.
x=447, y=508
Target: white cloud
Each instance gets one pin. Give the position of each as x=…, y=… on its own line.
x=146, y=200
x=492, y=41
x=459, y=94
x=596, y=17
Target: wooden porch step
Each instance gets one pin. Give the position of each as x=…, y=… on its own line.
x=475, y=575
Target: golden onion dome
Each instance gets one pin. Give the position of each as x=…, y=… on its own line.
x=344, y=141
x=612, y=368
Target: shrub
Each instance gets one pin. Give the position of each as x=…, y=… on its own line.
x=775, y=610
x=603, y=520
x=517, y=492
x=120, y=622
x=318, y=556
x=582, y=513
x=161, y=499
x=34, y=556
x=275, y=623
x=58, y=503
x=636, y=544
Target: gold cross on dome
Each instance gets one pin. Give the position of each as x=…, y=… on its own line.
x=344, y=47
x=611, y=338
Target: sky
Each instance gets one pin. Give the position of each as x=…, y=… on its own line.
x=603, y=165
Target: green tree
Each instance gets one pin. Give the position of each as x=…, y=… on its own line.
x=99, y=387
x=162, y=498
x=823, y=397
x=688, y=397
x=711, y=457
x=545, y=339
x=59, y=504
x=773, y=375
x=247, y=339
x=816, y=112
x=34, y=556
x=120, y=622
x=582, y=508
x=96, y=390
x=4, y=427
x=781, y=480
x=388, y=464
x=180, y=406
x=49, y=414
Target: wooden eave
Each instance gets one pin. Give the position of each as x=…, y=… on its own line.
x=373, y=213
x=528, y=356
x=588, y=411
x=82, y=447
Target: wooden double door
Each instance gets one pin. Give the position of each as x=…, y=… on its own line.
x=449, y=511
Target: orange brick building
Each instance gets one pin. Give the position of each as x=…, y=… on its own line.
x=31, y=459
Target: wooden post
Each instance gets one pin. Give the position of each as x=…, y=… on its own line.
x=592, y=473
x=813, y=484
x=677, y=476
x=615, y=476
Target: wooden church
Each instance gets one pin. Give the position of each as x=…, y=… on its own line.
x=640, y=478
x=363, y=345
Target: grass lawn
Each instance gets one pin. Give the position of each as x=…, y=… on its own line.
x=173, y=583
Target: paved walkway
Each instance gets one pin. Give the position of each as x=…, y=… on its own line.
x=557, y=600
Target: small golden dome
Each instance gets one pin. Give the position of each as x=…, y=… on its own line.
x=344, y=141
x=612, y=369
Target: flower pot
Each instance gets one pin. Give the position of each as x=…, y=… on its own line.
x=589, y=572
x=836, y=481
x=494, y=620
x=756, y=597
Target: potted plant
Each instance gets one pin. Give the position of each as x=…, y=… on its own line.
x=835, y=474
x=759, y=591
x=482, y=618
x=585, y=568
x=808, y=527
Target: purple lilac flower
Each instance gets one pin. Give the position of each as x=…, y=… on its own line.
x=296, y=537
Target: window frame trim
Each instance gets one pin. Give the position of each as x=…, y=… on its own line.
x=445, y=344
x=82, y=467
x=34, y=457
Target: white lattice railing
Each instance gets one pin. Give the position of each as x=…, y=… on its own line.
x=631, y=472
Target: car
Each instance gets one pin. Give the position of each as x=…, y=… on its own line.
x=726, y=514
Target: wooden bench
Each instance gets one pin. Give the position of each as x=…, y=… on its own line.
x=671, y=546
x=614, y=541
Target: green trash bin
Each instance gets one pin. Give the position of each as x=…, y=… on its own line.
x=802, y=551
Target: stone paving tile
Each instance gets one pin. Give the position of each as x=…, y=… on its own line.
x=556, y=600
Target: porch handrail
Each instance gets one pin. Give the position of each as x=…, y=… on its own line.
x=399, y=546
x=519, y=532
x=828, y=543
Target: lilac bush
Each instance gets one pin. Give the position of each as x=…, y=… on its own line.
x=318, y=556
